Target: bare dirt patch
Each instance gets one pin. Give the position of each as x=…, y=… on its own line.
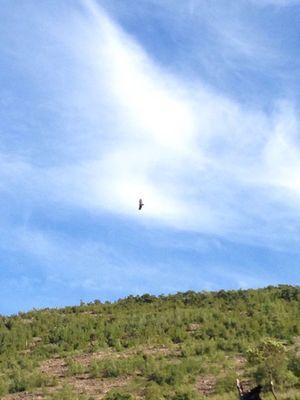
x=96, y=387
x=206, y=384
x=25, y=396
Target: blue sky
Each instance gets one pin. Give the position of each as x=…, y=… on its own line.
x=191, y=105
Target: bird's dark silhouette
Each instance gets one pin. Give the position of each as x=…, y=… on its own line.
x=140, y=204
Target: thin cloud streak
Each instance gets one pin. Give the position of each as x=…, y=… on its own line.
x=106, y=124
x=194, y=155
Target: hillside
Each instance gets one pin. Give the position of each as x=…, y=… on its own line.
x=177, y=347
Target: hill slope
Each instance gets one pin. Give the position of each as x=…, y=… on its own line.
x=180, y=347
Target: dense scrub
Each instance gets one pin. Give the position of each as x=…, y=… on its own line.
x=201, y=334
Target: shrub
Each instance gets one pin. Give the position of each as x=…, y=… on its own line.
x=153, y=392
x=75, y=368
x=105, y=369
x=185, y=394
x=294, y=365
x=4, y=386
x=113, y=395
x=22, y=380
x=270, y=361
x=17, y=383
x=225, y=384
x=170, y=375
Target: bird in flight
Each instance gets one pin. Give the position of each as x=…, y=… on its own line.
x=140, y=204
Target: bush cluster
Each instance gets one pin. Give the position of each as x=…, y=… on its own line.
x=203, y=327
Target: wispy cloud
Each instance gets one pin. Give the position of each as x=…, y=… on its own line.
x=198, y=158
x=103, y=123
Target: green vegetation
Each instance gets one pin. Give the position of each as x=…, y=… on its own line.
x=118, y=396
x=67, y=393
x=179, y=347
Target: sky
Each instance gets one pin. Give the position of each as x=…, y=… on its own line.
x=191, y=105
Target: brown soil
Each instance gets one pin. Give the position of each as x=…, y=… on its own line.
x=206, y=384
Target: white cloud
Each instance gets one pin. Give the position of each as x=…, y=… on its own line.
x=200, y=160
x=103, y=124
